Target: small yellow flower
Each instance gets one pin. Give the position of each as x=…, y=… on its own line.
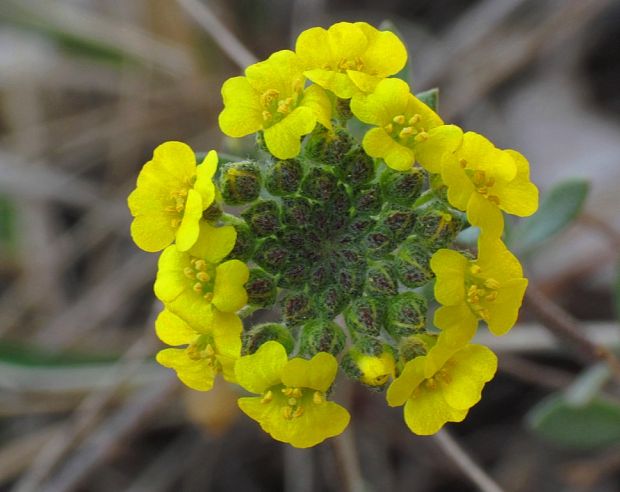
x=490, y=288
x=210, y=350
x=292, y=407
x=350, y=57
x=406, y=128
x=441, y=386
x=271, y=97
x=171, y=194
x=483, y=180
x=194, y=286
x=376, y=370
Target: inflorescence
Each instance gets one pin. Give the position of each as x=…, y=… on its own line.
x=349, y=240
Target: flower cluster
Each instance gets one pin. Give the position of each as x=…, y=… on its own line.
x=339, y=236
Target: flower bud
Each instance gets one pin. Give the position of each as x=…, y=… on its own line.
x=328, y=147
x=240, y=182
x=350, y=280
x=319, y=335
x=319, y=184
x=294, y=275
x=381, y=280
x=373, y=368
x=368, y=201
x=296, y=211
x=357, y=167
x=261, y=288
x=272, y=255
x=379, y=242
x=400, y=222
x=297, y=307
x=332, y=301
x=413, y=264
x=252, y=339
x=283, y=177
x=402, y=187
x=365, y=315
x=213, y=212
x=244, y=244
x=263, y=217
x=438, y=225
x=414, y=346
x=406, y=314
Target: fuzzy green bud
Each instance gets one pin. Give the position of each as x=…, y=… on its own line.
x=402, y=187
x=296, y=211
x=437, y=225
x=261, y=288
x=328, y=147
x=357, y=167
x=414, y=346
x=332, y=301
x=368, y=201
x=272, y=255
x=350, y=280
x=252, y=339
x=381, y=280
x=283, y=177
x=319, y=184
x=297, y=307
x=263, y=217
x=213, y=212
x=372, y=368
x=365, y=315
x=400, y=222
x=240, y=182
x=413, y=264
x=244, y=244
x=320, y=335
x=379, y=242
x=406, y=314
x=294, y=275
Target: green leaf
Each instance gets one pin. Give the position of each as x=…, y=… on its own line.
x=594, y=425
x=558, y=208
x=429, y=97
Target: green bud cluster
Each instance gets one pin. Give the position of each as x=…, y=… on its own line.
x=333, y=233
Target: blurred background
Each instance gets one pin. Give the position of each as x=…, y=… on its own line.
x=88, y=88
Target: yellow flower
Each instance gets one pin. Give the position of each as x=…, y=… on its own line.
x=292, y=407
x=441, y=386
x=271, y=97
x=490, y=288
x=170, y=196
x=350, y=57
x=407, y=129
x=483, y=180
x=191, y=284
x=210, y=349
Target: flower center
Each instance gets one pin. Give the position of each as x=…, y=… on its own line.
x=203, y=275
x=350, y=64
x=203, y=349
x=276, y=105
x=293, y=400
x=406, y=129
x=482, y=182
x=479, y=291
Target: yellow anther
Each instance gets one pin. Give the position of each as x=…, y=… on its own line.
x=421, y=137
x=287, y=413
x=268, y=97
x=298, y=85
x=406, y=132
x=208, y=296
x=284, y=106
x=193, y=353
x=296, y=393
x=171, y=209
x=197, y=288
x=176, y=222
x=444, y=376
x=203, y=276
x=298, y=412
x=287, y=391
x=266, y=115
x=490, y=182
x=475, y=269
x=389, y=128
x=292, y=401
x=209, y=351
x=414, y=120
x=318, y=398
x=431, y=383
x=399, y=120
x=484, y=314
x=189, y=272
x=463, y=163
x=267, y=397
x=200, y=265
x=491, y=283
x=493, y=199
x=491, y=297
x=479, y=178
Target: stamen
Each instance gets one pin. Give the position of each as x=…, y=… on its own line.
x=267, y=397
x=268, y=97
x=200, y=265
x=491, y=283
x=491, y=297
x=414, y=120
x=189, y=272
x=287, y=413
x=317, y=398
x=406, y=132
x=297, y=393
x=389, y=128
x=463, y=163
x=197, y=288
x=292, y=401
x=493, y=199
x=299, y=412
x=475, y=269
x=208, y=296
x=203, y=276
x=421, y=137
x=266, y=115
x=431, y=383
x=399, y=120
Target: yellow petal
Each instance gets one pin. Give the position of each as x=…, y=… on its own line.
x=364, y=82
x=346, y=40
x=175, y=158
x=471, y=367
x=226, y=329
x=214, y=243
x=485, y=215
x=172, y=330
x=385, y=54
x=409, y=379
x=429, y=412
x=317, y=373
x=187, y=234
x=242, y=112
x=282, y=71
x=390, y=98
x=228, y=294
x=504, y=311
x=336, y=82
x=152, y=232
x=168, y=284
x=496, y=260
x=283, y=138
x=377, y=143
x=312, y=47
x=318, y=101
x=442, y=140
x=261, y=370
x=204, y=178
x=460, y=188
x=481, y=154
x=457, y=323
x=449, y=267
x=197, y=374
x=519, y=196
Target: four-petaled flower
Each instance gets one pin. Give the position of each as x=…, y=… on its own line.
x=292, y=407
x=211, y=349
x=349, y=57
x=483, y=180
x=171, y=194
x=490, y=288
x=406, y=129
x=271, y=97
x=442, y=385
